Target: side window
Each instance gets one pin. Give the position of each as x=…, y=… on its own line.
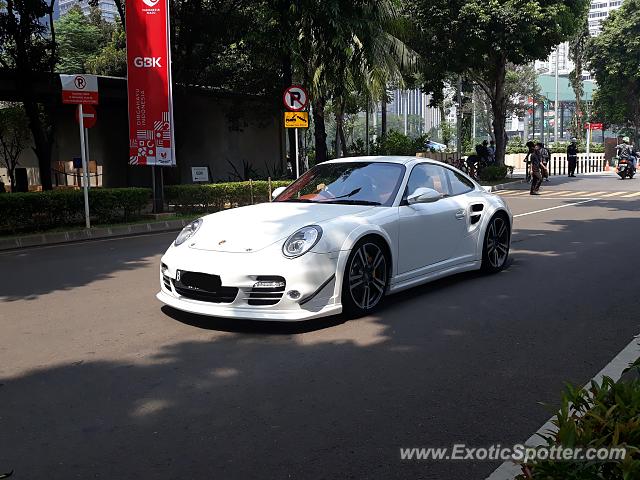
x=429, y=176
x=459, y=184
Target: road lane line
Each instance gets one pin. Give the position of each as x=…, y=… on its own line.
x=631, y=195
x=614, y=369
x=614, y=194
x=555, y=208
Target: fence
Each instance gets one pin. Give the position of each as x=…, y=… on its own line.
x=594, y=162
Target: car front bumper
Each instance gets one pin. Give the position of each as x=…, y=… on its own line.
x=314, y=276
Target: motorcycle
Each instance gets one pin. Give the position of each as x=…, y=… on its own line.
x=625, y=168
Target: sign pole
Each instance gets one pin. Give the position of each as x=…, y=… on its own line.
x=588, y=140
x=85, y=172
x=297, y=155
x=86, y=142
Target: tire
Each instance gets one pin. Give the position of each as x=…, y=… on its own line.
x=495, y=249
x=367, y=271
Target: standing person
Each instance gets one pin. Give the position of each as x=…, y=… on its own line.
x=546, y=158
x=527, y=160
x=572, y=156
x=536, y=169
x=492, y=152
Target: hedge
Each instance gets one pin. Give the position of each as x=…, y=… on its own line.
x=218, y=196
x=42, y=210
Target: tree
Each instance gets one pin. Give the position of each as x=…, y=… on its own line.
x=78, y=40
x=28, y=47
x=14, y=136
x=480, y=38
x=111, y=60
x=577, y=53
x=613, y=60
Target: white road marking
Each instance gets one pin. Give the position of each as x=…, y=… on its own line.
x=570, y=193
x=555, y=208
x=614, y=369
x=631, y=195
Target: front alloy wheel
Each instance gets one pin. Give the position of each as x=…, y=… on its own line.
x=366, y=277
x=496, y=244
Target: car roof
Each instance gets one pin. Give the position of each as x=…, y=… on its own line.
x=381, y=159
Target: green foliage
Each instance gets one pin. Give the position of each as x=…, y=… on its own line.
x=218, y=196
x=613, y=59
x=491, y=173
x=77, y=39
x=577, y=53
x=604, y=415
x=396, y=143
x=111, y=60
x=480, y=39
x=20, y=212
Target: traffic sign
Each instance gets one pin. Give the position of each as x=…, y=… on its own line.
x=594, y=126
x=89, y=115
x=79, y=89
x=295, y=98
x=296, y=119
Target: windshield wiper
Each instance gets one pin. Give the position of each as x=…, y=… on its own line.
x=300, y=200
x=353, y=202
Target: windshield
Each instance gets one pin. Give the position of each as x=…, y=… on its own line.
x=357, y=183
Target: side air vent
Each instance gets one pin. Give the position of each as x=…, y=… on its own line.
x=476, y=213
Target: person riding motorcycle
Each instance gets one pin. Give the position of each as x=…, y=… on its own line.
x=625, y=151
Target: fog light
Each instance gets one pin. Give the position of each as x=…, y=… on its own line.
x=293, y=294
x=268, y=284
x=164, y=268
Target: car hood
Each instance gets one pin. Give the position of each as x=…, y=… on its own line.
x=253, y=228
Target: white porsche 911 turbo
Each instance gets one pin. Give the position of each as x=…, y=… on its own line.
x=339, y=238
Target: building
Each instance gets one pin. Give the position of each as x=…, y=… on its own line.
x=599, y=11
x=413, y=104
x=107, y=8
x=548, y=65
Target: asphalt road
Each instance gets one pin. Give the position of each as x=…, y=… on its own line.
x=98, y=381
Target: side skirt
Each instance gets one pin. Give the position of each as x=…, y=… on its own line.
x=465, y=267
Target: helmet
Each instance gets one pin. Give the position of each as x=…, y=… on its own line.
x=625, y=139
x=574, y=140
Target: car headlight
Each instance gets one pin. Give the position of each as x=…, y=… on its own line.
x=301, y=241
x=188, y=232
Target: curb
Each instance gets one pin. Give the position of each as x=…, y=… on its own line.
x=56, y=238
x=505, y=186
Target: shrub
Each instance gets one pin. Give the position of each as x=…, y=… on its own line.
x=491, y=173
x=396, y=143
x=605, y=415
x=41, y=210
x=217, y=196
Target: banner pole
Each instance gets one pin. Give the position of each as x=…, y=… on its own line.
x=153, y=182
x=85, y=172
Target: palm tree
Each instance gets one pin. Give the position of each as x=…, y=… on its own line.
x=347, y=47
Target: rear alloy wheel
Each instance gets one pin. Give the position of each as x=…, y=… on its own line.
x=365, y=279
x=496, y=244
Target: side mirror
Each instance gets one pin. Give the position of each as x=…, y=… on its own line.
x=424, y=195
x=277, y=192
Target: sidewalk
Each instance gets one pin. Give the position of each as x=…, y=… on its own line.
x=96, y=233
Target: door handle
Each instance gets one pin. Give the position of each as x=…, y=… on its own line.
x=460, y=214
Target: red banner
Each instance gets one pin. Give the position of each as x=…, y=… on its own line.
x=151, y=139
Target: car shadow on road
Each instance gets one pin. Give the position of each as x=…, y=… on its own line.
x=252, y=326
